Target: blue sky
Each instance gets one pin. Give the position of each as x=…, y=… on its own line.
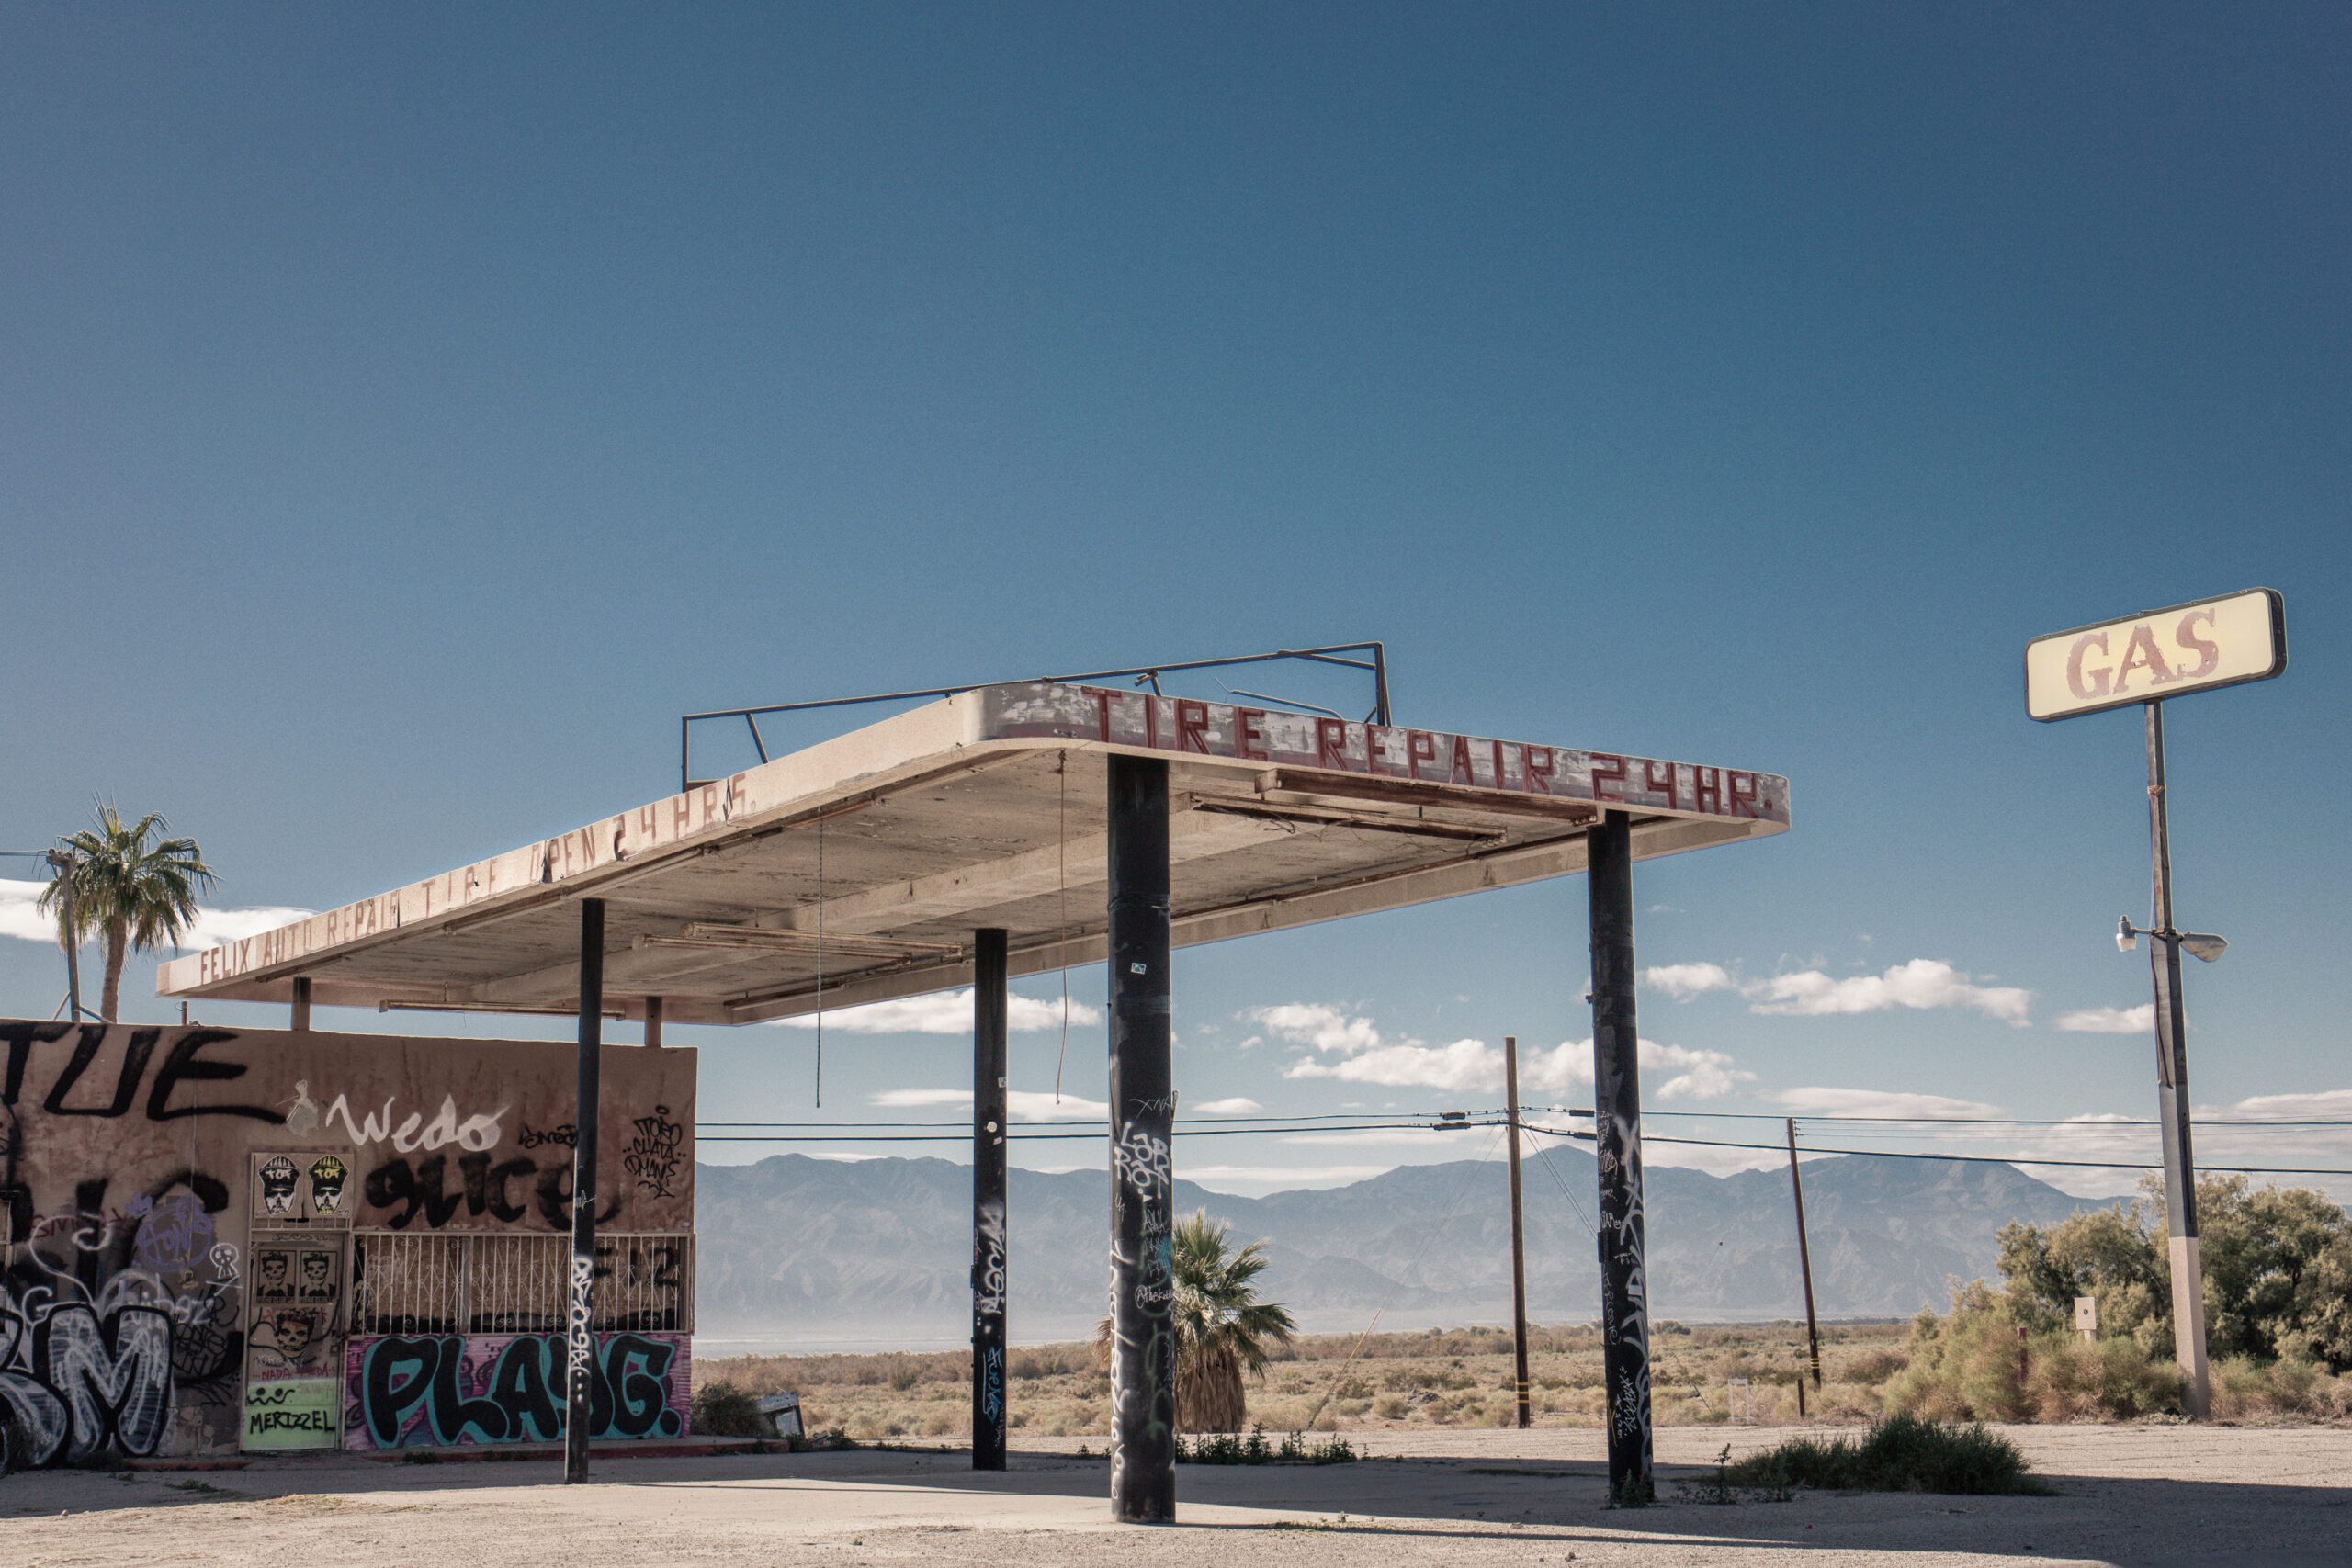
x=407, y=412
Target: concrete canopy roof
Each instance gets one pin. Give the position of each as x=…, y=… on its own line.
x=860, y=867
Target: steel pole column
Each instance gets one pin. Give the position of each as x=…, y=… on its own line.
x=1143, y=1110
x=301, y=1009
x=1617, y=1129
x=1517, y=1237
x=989, y=967
x=2172, y=1094
x=580, y=1345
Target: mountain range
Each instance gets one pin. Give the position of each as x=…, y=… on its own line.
x=801, y=1254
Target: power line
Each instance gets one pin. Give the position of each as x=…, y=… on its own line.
x=1973, y=1121
x=1965, y=1159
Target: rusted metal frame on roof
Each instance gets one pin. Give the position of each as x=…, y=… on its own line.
x=1331, y=653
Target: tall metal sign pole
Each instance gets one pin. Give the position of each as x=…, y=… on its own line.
x=1617, y=1147
x=2143, y=661
x=2172, y=1094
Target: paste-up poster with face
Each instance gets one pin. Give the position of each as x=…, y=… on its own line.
x=296, y=1271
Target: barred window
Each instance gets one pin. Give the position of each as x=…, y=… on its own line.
x=406, y=1282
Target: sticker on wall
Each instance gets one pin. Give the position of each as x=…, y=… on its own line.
x=293, y=1413
x=273, y=1274
x=317, y=1272
x=328, y=1175
x=278, y=1176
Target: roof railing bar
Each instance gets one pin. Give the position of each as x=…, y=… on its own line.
x=1327, y=654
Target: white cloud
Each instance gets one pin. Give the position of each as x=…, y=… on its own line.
x=1921, y=984
x=2109, y=1020
x=211, y=927
x=1465, y=1063
x=1683, y=981
x=1026, y=1105
x=1238, y=1105
x=1822, y=1100
x=1468, y=1065
x=20, y=917
x=1313, y=1023
x=2282, y=1106
x=944, y=1012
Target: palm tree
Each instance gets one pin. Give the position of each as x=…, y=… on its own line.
x=133, y=892
x=1221, y=1326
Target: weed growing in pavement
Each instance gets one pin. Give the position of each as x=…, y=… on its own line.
x=1226, y=1448
x=1901, y=1453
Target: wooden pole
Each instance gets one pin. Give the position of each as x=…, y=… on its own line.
x=1517, y=1237
x=1804, y=1265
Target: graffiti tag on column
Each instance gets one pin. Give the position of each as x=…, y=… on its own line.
x=988, y=1266
x=1143, y=1162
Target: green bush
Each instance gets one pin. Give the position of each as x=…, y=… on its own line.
x=723, y=1409
x=1901, y=1453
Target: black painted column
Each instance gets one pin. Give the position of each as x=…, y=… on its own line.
x=988, y=968
x=580, y=1346
x=1143, y=1110
x=1617, y=1127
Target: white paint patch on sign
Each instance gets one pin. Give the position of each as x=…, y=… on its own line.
x=2162, y=653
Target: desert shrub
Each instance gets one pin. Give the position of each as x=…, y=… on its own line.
x=1873, y=1367
x=1900, y=1453
x=724, y=1409
x=2278, y=1271
x=1972, y=1365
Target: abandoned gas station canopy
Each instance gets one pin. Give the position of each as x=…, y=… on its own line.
x=857, y=870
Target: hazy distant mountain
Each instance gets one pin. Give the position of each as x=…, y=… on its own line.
x=808, y=1253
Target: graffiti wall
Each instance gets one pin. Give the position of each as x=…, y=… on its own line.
x=130, y=1192
x=418, y=1391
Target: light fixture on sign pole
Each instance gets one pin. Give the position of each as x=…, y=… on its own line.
x=2145, y=659
x=2196, y=944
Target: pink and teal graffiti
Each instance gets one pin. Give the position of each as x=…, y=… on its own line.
x=439, y=1390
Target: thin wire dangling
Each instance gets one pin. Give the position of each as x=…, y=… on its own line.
x=820, y=964
x=1061, y=862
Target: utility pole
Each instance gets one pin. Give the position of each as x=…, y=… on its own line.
x=1804, y=1265
x=63, y=864
x=2172, y=1094
x=1518, y=1235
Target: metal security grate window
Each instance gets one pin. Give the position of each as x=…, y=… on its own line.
x=405, y=1283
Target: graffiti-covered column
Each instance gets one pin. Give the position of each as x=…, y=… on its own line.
x=1143, y=1108
x=1617, y=1127
x=988, y=968
x=580, y=1346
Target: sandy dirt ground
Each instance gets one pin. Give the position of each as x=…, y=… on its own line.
x=2132, y=1496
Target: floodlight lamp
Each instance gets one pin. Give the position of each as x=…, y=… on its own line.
x=2126, y=939
x=2203, y=944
